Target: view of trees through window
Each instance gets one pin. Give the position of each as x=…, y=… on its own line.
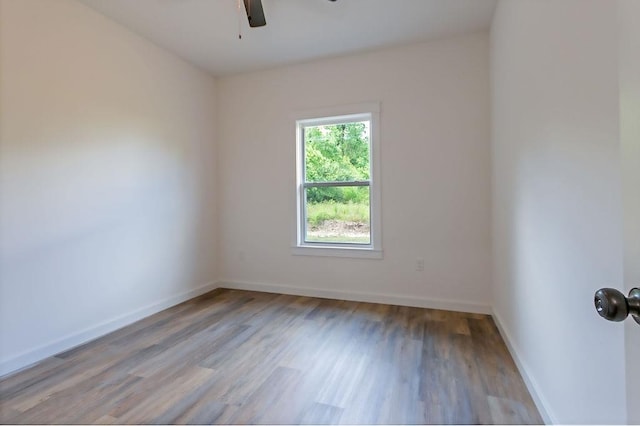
x=337, y=191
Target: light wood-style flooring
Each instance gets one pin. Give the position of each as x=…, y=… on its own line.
x=239, y=357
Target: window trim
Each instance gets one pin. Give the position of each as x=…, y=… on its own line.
x=338, y=115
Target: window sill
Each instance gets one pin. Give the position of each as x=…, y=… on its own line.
x=333, y=251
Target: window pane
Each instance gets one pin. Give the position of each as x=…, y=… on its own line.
x=337, y=152
x=338, y=215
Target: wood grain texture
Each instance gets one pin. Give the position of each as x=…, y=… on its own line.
x=239, y=357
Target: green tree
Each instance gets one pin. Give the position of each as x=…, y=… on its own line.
x=337, y=152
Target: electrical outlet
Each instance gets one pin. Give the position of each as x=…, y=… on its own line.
x=419, y=264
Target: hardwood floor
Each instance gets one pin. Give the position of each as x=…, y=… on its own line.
x=246, y=357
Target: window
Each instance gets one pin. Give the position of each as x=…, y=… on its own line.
x=337, y=185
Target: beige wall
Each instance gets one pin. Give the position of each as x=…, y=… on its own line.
x=107, y=178
x=557, y=211
x=434, y=144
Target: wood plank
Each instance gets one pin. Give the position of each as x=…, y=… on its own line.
x=9, y=416
x=15, y=383
x=320, y=414
x=257, y=406
x=82, y=403
x=61, y=379
x=106, y=420
x=508, y=411
x=166, y=396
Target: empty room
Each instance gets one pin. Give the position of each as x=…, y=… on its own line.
x=319, y=211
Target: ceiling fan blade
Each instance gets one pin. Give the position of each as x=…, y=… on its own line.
x=255, y=14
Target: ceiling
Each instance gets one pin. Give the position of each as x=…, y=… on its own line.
x=205, y=32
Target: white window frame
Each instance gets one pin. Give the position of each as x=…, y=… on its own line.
x=337, y=115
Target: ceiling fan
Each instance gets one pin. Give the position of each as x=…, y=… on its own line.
x=255, y=13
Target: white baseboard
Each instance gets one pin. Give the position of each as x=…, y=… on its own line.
x=418, y=302
x=541, y=402
x=27, y=358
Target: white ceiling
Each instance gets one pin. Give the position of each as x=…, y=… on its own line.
x=205, y=32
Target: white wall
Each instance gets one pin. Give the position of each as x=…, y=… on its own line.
x=435, y=174
x=557, y=224
x=629, y=49
x=106, y=178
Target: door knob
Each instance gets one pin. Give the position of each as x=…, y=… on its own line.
x=613, y=306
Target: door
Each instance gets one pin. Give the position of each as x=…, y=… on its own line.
x=629, y=74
